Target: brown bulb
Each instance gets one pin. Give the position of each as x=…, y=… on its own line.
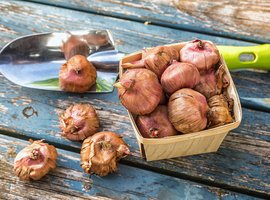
x=156, y=59
x=77, y=75
x=35, y=161
x=179, y=75
x=219, y=113
x=156, y=124
x=79, y=121
x=203, y=54
x=139, y=91
x=101, y=152
x=188, y=110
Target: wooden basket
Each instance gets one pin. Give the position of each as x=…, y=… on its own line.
x=188, y=144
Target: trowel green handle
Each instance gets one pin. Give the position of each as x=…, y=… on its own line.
x=246, y=57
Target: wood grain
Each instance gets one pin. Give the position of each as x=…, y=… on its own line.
x=244, y=16
x=241, y=164
x=244, y=152
x=128, y=38
x=68, y=181
x=246, y=20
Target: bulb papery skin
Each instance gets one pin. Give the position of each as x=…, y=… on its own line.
x=156, y=59
x=77, y=75
x=79, y=121
x=101, y=152
x=223, y=80
x=35, y=161
x=220, y=111
x=203, y=54
x=188, y=110
x=139, y=91
x=156, y=124
x=207, y=84
x=213, y=82
x=179, y=75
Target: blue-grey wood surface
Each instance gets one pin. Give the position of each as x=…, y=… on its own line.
x=241, y=164
x=126, y=33
x=68, y=181
x=237, y=19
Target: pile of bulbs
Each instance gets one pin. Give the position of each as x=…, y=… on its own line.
x=176, y=92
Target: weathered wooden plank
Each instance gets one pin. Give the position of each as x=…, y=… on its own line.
x=126, y=33
x=69, y=182
x=244, y=153
x=230, y=19
x=253, y=89
x=248, y=16
x=252, y=84
x=241, y=150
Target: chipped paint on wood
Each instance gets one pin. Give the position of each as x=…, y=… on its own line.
x=222, y=17
x=3, y=109
x=239, y=153
x=244, y=16
x=21, y=100
x=68, y=181
x=240, y=149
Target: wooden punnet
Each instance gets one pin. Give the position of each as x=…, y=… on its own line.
x=188, y=144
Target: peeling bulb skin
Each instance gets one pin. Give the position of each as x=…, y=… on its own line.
x=77, y=75
x=219, y=116
x=220, y=111
x=101, y=152
x=156, y=59
x=79, y=121
x=35, y=161
x=213, y=82
x=139, y=91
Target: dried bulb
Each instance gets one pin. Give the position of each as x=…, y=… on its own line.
x=156, y=59
x=222, y=78
x=203, y=54
x=139, y=91
x=79, y=121
x=213, y=83
x=35, y=161
x=219, y=113
x=188, y=110
x=179, y=75
x=218, y=101
x=156, y=124
x=77, y=75
x=101, y=152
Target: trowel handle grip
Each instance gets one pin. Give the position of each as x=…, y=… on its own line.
x=237, y=57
